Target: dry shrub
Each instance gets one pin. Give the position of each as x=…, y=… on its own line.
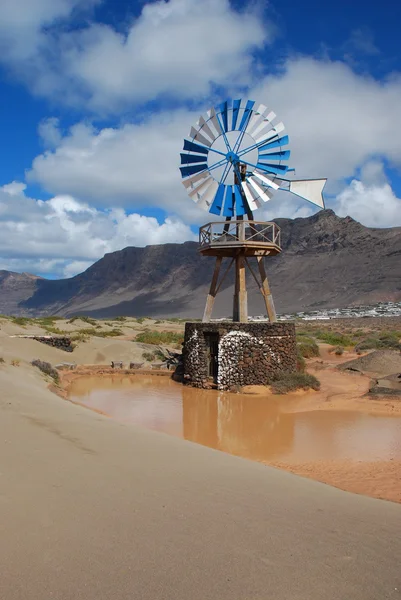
x=289, y=382
x=46, y=368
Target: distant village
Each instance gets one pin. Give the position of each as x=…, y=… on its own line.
x=382, y=309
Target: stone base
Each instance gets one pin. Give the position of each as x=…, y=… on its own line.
x=237, y=354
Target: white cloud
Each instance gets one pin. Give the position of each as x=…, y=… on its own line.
x=179, y=48
x=135, y=165
x=374, y=205
x=64, y=236
x=23, y=23
x=336, y=119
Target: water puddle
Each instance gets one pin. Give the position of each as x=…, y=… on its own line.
x=254, y=427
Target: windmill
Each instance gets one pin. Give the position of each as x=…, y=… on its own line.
x=233, y=161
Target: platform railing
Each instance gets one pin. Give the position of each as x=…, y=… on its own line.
x=239, y=232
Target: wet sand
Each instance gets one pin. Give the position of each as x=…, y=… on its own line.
x=337, y=435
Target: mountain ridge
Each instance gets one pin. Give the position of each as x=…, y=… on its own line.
x=326, y=262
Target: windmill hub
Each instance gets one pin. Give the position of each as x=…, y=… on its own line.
x=232, y=157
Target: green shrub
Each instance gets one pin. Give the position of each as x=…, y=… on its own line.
x=339, y=350
x=334, y=338
x=46, y=368
x=149, y=356
x=84, y=319
x=54, y=330
x=384, y=340
x=140, y=320
x=289, y=382
x=21, y=321
x=93, y=331
x=78, y=337
x=120, y=319
x=307, y=346
x=301, y=365
x=159, y=337
x=112, y=333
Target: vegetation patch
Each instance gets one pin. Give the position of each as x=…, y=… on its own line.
x=301, y=364
x=334, y=338
x=390, y=339
x=21, y=321
x=289, y=382
x=307, y=346
x=46, y=368
x=82, y=333
x=84, y=319
x=168, y=338
x=151, y=356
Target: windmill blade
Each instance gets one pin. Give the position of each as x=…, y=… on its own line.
x=192, y=147
x=271, y=134
x=267, y=121
x=240, y=209
x=223, y=108
x=204, y=184
x=257, y=117
x=188, y=159
x=282, y=155
x=236, y=107
x=204, y=200
x=252, y=202
x=228, y=210
x=268, y=168
x=215, y=122
x=283, y=141
x=247, y=115
x=190, y=181
x=204, y=128
x=309, y=189
x=265, y=195
x=266, y=180
x=192, y=169
x=217, y=204
x=195, y=135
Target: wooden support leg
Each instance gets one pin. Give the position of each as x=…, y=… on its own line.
x=240, y=312
x=212, y=292
x=271, y=311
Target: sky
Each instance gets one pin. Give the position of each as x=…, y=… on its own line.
x=96, y=97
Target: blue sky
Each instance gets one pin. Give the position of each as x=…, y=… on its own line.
x=97, y=95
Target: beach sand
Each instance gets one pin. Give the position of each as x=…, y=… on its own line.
x=93, y=509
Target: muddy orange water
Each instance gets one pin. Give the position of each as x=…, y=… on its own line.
x=254, y=427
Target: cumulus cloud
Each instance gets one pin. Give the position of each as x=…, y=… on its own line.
x=24, y=26
x=339, y=122
x=179, y=49
x=374, y=205
x=64, y=236
x=134, y=165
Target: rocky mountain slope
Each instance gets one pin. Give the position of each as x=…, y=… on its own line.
x=327, y=261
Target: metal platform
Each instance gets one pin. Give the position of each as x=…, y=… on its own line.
x=252, y=238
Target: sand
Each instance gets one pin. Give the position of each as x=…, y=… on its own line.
x=93, y=509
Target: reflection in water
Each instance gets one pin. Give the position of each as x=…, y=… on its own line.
x=250, y=426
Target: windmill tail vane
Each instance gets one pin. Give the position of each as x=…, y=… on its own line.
x=236, y=158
